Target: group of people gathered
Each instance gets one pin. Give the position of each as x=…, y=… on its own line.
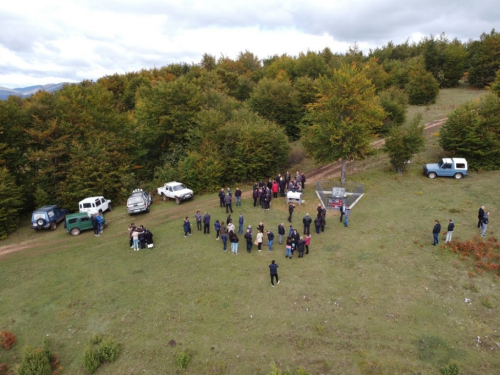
x=263, y=193
x=140, y=236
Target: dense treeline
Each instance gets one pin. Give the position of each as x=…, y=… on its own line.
x=206, y=124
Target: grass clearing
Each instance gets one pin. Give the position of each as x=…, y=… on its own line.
x=374, y=298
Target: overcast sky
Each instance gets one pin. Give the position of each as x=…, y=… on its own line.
x=52, y=41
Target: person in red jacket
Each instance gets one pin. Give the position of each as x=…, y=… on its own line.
x=275, y=189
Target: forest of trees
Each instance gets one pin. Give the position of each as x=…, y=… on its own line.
x=220, y=121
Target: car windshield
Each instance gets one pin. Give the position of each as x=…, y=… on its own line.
x=179, y=187
x=134, y=200
x=440, y=163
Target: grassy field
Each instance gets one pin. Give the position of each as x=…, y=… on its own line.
x=373, y=298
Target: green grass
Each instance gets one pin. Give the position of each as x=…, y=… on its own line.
x=374, y=298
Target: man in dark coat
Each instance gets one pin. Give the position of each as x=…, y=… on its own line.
x=248, y=238
x=290, y=211
x=274, y=272
x=480, y=216
x=221, y=197
x=307, y=223
x=435, y=232
x=255, y=196
x=206, y=223
x=342, y=211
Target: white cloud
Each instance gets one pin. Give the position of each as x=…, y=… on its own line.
x=53, y=40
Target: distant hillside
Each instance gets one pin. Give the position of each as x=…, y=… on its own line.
x=27, y=91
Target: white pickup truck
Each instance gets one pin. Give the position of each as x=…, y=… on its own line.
x=175, y=190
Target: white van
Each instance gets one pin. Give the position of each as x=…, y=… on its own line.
x=92, y=205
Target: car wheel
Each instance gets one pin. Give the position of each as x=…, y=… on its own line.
x=458, y=176
x=75, y=231
x=177, y=200
x=432, y=175
x=109, y=207
x=41, y=222
x=53, y=226
x=65, y=224
x=147, y=209
x=164, y=197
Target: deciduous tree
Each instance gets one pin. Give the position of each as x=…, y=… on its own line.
x=344, y=118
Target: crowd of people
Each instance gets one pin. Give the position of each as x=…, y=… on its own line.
x=140, y=236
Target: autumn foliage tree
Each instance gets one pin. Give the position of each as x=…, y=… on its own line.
x=344, y=118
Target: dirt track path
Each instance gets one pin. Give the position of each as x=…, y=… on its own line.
x=320, y=173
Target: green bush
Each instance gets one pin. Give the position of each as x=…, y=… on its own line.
x=91, y=359
x=182, y=359
x=451, y=369
x=35, y=362
x=98, y=352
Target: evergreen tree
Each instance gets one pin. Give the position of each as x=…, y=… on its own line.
x=11, y=203
x=422, y=88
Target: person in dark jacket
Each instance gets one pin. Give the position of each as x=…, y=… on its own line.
x=273, y=267
x=290, y=211
x=322, y=222
x=142, y=236
x=342, y=211
x=241, y=220
x=95, y=225
x=480, y=216
x=233, y=238
x=317, y=224
x=224, y=241
x=281, y=232
x=217, y=229
x=295, y=238
x=222, y=195
x=449, y=232
x=303, y=180
x=300, y=247
x=249, y=239
x=206, y=223
x=435, y=232
x=307, y=223
x=270, y=240
x=187, y=227
x=282, y=187
x=255, y=196
x=237, y=194
x=149, y=239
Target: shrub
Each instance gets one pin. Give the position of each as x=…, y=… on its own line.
x=91, y=359
x=451, y=369
x=35, y=362
x=98, y=352
x=182, y=359
x=4, y=369
x=7, y=339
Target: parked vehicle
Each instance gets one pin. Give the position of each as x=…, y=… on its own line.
x=47, y=217
x=92, y=205
x=139, y=201
x=175, y=190
x=447, y=167
x=78, y=222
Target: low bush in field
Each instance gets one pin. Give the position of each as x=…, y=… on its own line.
x=99, y=352
x=485, y=254
x=7, y=339
x=38, y=361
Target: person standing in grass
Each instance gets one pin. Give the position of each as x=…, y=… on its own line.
x=449, y=233
x=249, y=239
x=237, y=194
x=233, y=238
x=342, y=211
x=300, y=247
x=435, y=232
x=240, y=223
x=270, y=240
x=288, y=253
x=223, y=237
x=222, y=195
x=259, y=239
x=131, y=229
x=281, y=232
x=307, y=242
x=198, y=220
x=187, y=227
x=206, y=223
x=95, y=225
x=135, y=238
x=484, y=223
x=290, y=211
x=273, y=267
x=480, y=216
x=217, y=229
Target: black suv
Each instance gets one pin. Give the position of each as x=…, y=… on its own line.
x=47, y=217
x=139, y=201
